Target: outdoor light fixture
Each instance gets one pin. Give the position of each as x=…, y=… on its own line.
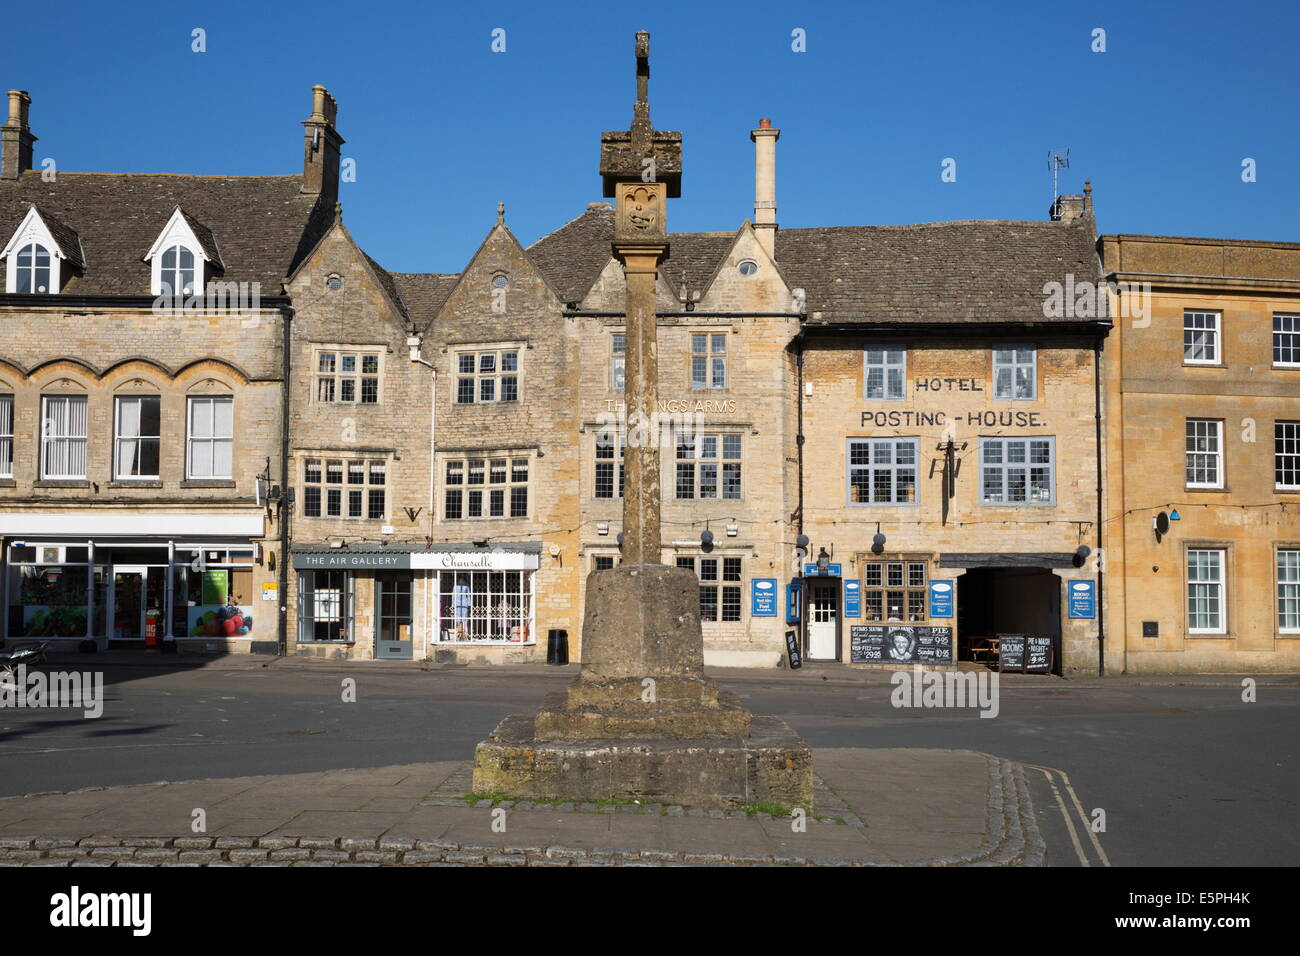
x=733, y=530
x=878, y=541
x=706, y=537
x=823, y=560
x=336, y=542
x=602, y=527
x=801, y=542
x=1081, y=555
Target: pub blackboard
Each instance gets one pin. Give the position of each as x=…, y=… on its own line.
x=900, y=644
x=792, y=650
x=1038, y=654
x=1011, y=652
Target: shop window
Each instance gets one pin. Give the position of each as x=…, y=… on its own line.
x=63, y=436
x=483, y=377
x=1015, y=372
x=1017, y=471
x=1286, y=455
x=348, y=378
x=885, y=373
x=139, y=431
x=47, y=591
x=1206, y=602
x=485, y=606
x=212, y=593
x=894, y=591
x=708, y=466
x=709, y=361
x=1204, y=453
x=6, y=436
x=345, y=488
x=720, y=586
x=211, y=437
x=882, y=471
x=485, y=488
x=325, y=607
x=1201, y=338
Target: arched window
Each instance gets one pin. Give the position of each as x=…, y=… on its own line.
x=177, y=271
x=33, y=269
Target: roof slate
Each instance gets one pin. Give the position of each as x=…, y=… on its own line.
x=264, y=224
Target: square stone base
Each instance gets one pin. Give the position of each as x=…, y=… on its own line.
x=770, y=765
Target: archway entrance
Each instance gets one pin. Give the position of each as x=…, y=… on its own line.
x=995, y=601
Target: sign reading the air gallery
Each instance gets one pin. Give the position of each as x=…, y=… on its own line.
x=763, y=597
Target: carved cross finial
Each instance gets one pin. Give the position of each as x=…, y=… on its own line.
x=501, y=212
x=643, y=68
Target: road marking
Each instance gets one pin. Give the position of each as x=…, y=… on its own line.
x=1048, y=772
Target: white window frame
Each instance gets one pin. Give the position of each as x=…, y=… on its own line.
x=338, y=376
x=177, y=232
x=878, y=583
x=6, y=435
x=211, y=440
x=719, y=584
x=614, y=448
x=1220, y=583
x=32, y=230
x=70, y=437
x=492, y=616
x=1288, y=588
x=714, y=359
x=617, y=361
x=1014, y=365
x=1279, y=455
x=1286, y=325
x=1215, y=332
x=1216, y=455
x=1025, y=465
x=498, y=374
x=871, y=466
x=892, y=357
x=119, y=439
x=698, y=461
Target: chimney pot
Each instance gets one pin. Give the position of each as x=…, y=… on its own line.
x=16, y=138
x=765, y=123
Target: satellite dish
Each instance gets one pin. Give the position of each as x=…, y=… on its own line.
x=1162, y=523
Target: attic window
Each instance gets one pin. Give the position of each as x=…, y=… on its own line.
x=177, y=271
x=500, y=281
x=747, y=268
x=334, y=282
x=32, y=269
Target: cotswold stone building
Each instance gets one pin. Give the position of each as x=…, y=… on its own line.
x=880, y=444
x=1203, y=389
x=141, y=379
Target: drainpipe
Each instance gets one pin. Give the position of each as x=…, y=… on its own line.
x=1101, y=604
x=285, y=513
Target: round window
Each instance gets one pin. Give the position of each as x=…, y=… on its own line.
x=334, y=282
x=500, y=282
x=748, y=267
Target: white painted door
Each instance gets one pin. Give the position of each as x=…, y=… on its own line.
x=823, y=619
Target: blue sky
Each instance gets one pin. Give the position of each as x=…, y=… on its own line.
x=441, y=128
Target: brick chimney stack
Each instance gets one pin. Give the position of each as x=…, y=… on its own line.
x=765, y=184
x=16, y=138
x=320, y=163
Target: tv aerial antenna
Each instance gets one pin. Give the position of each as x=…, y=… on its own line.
x=1057, y=159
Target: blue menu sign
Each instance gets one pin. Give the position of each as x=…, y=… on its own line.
x=762, y=597
x=1083, y=599
x=793, y=599
x=941, y=598
x=832, y=571
x=852, y=598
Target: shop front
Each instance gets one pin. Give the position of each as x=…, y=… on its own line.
x=141, y=590
x=397, y=603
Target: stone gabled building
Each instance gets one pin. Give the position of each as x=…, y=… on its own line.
x=142, y=370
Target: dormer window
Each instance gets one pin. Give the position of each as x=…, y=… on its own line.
x=176, y=273
x=33, y=269
x=183, y=257
x=36, y=253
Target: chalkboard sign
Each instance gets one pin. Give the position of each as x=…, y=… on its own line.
x=792, y=650
x=1011, y=652
x=1038, y=654
x=900, y=644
